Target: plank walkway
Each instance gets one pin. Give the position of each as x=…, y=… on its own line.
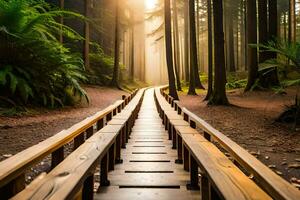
x=148, y=170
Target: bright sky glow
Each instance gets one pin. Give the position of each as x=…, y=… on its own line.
x=150, y=4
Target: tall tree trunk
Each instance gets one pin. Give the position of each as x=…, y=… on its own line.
x=273, y=26
x=194, y=70
x=86, y=50
x=168, y=38
x=284, y=27
x=231, y=44
x=115, y=78
x=292, y=21
x=252, y=39
x=210, y=51
x=186, y=40
x=263, y=27
x=219, y=94
x=176, y=46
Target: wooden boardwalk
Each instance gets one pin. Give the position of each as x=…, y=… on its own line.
x=148, y=170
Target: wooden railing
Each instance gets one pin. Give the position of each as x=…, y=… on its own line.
x=265, y=178
x=13, y=169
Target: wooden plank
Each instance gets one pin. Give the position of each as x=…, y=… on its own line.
x=65, y=180
x=226, y=177
x=276, y=186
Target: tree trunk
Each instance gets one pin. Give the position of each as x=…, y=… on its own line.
x=263, y=27
x=219, y=94
x=168, y=38
x=86, y=50
x=115, y=78
x=210, y=52
x=194, y=70
x=252, y=39
x=176, y=46
x=292, y=21
x=231, y=44
x=131, y=69
x=273, y=27
x=186, y=40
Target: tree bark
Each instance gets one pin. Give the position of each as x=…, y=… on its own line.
x=168, y=38
x=252, y=39
x=115, y=78
x=231, y=62
x=219, y=94
x=273, y=27
x=194, y=70
x=263, y=27
x=210, y=51
x=176, y=45
x=292, y=21
x=186, y=40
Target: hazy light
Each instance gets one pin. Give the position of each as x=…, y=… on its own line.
x=150, y=4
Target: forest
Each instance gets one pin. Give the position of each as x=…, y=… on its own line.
x=233, y=63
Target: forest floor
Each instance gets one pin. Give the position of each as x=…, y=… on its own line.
x=250, y=121
x=19, y=133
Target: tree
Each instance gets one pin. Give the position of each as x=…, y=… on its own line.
x=115, y=78
x=176, y=45
x=252, y=64
x=219, y=94
x=186, y=40
x=263, y=27
x=210, y=51
x=273, y=26
x=194, y=72
x=86, y=49
x=169, y=58
x=292, y=21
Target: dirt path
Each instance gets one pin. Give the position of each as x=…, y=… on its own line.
x=250, y=123
x=19, y=133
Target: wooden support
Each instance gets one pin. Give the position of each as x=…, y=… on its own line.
x=179, y=150
x=186, y=159
x=213, y=194
x=88, y=188
x=185, y=117
x=13, y=187
x=204, y=185
x=89, y=132
x=108, y=117
x=207, y=136
x=193, y=124
x=100, y=124
x=123, y=133
x=57, y=157
x=114, y=112
x=78, y=141
x=194, y=184
x=118, y=148
x=104, y=171
x=179, y=111
x=111, y=158
x=174, y=138
x=119, y=109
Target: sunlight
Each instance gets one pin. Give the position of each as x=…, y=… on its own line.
x=150, y=4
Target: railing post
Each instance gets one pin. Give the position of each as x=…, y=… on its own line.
x=118, y=148
x=57, y=157
x=111, y=157
x=88, y=188
x=204, y=184
x=13, y=187
x=179, y=150
x=104, y=171
x=174, y=141
x=186, y=159
x=90, y=132
x=100, y=124
x=213, y=193
x=207, y=136
x=123, y=133
x=194, y=184
x=78, y=141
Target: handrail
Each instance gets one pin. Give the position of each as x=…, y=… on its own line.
x=12, y=170
x=74, y=177
x=274, y=185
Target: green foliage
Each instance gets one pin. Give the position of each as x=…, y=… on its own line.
x=236, y=84
x=34, y=66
